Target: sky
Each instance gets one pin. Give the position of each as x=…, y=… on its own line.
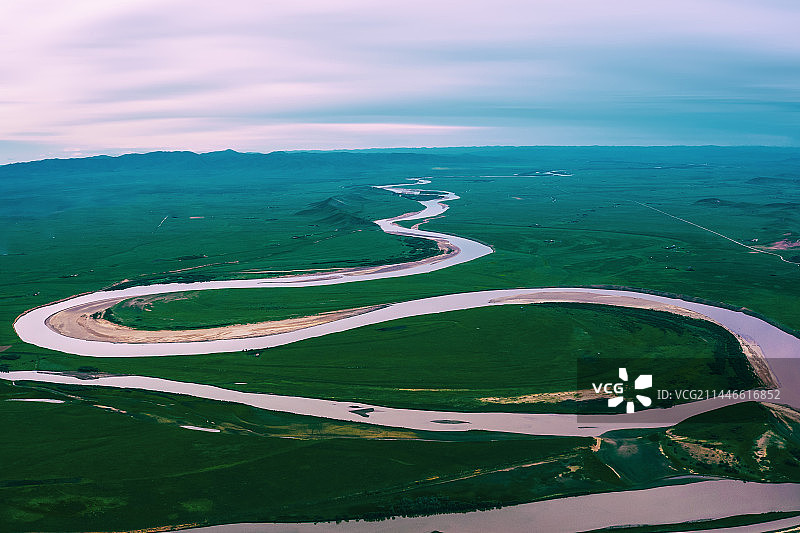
x=90, y=77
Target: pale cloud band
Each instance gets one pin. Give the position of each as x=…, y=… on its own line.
x=91, y=77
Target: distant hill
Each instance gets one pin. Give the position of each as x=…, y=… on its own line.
x=227, y=161
x=338, y=212
x=524, y=159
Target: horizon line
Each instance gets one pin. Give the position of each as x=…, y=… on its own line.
x=382, y=148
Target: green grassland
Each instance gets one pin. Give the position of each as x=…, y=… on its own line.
x=68, y=227
x=457, y=360
x=95, y=461
x=313, y=211
x=71, y=232
x=586, y=229
x=749, y=441
x=83, y=466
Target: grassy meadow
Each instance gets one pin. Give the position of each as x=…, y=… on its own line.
x=73, y=226
x=486, y=359
x=96, y=460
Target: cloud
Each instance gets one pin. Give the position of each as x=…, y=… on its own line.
x=272, y=75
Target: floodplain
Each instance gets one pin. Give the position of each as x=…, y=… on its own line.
x=579, y=217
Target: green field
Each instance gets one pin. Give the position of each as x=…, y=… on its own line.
x=77, y=466
x=480, y=356
x=586, y=229
x=93, y=462
x=74, y=226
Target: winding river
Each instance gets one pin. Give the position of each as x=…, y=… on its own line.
x=770, y=347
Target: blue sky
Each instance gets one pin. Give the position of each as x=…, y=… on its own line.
x=90, y=77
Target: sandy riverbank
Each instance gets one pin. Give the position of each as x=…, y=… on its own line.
x=78, y=323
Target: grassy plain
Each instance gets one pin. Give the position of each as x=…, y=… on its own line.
x=587, y=229
x=96, y=460
x=80, y=225
x=750, y=441
x=466, y=360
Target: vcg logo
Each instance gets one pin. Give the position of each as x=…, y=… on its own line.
x=644, y=381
